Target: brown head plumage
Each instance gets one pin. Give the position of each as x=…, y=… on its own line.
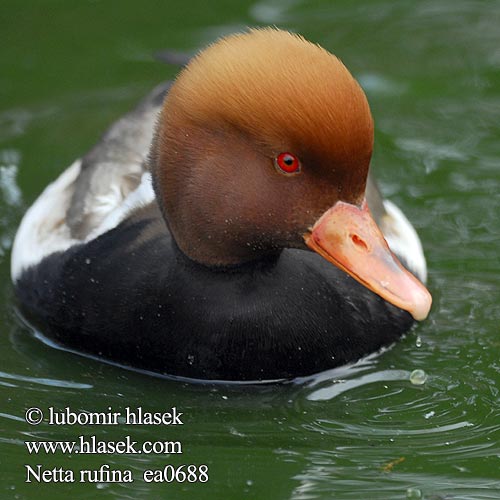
x=234, y=108
x=280, y=88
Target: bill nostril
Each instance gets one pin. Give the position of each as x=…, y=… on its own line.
x=359, y=242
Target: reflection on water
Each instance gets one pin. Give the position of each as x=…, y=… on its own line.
x=430, y=70
x=41, y=381
x=10, y=196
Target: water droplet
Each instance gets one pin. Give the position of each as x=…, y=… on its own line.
x=418, y=342
x=249, y=482
x=418, y=377
x=190, y=359
x=87, y=261
x=413, y=494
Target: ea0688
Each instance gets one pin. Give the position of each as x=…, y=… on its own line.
x=177, y=474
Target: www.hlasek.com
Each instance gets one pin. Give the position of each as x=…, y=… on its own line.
x=90, y=445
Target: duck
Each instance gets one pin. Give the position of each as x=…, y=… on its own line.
x=227, y=228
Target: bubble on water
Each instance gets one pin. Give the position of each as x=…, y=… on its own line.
x=418, y=377
x=413, y=494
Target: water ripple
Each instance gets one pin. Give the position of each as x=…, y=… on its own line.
x=45, y=381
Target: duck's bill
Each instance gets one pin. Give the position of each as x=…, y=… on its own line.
x=348, y=237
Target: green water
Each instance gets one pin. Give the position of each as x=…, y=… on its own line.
x=431, y=70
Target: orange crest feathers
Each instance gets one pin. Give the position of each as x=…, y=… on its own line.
x=283, y=90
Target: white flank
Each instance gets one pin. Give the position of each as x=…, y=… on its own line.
x=43, y=229
x=403, y=239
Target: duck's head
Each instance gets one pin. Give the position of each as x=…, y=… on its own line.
x=263, y=143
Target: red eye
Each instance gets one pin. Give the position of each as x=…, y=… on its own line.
x=288, y=162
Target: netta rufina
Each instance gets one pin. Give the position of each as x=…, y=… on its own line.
x=224, y=229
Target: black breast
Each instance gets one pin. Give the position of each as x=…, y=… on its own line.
x=131, y=297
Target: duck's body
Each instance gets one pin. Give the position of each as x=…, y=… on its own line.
x=97, y=269
x=133, y=297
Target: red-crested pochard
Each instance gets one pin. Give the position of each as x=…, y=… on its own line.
x=223, y=229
